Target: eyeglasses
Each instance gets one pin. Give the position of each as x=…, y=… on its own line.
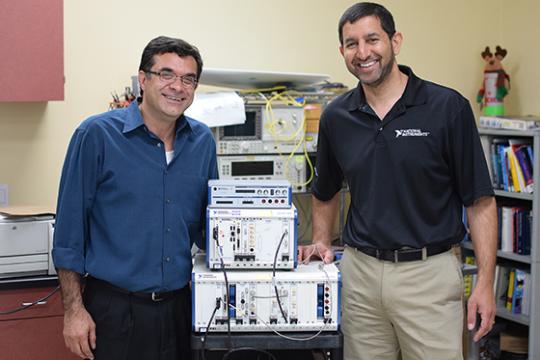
x=170, y=77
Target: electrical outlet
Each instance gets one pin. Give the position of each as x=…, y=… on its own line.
x=3, y=194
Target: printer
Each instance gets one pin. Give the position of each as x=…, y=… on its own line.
x=25, y=246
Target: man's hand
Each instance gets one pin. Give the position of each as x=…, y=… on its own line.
x=482, y=301
x=80, y=332
x=317, y=251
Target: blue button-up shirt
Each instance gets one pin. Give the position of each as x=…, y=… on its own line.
x=126, y=216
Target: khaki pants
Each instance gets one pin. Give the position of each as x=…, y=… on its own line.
x=409, y=310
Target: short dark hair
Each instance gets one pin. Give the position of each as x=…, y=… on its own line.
x=363, y=9
x=163, y=45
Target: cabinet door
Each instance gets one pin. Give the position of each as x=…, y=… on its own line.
x=32, y=48
x=15, y=298
x=38, y=338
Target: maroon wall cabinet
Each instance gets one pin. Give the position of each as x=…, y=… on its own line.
x=31, y=50
x=34, y=333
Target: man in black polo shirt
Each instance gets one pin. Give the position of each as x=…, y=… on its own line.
x=410, y=153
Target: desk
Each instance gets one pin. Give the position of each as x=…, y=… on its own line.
x=331, y=341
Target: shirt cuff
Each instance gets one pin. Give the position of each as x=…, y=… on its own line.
x=66, y=258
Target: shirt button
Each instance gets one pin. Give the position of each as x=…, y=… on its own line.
x=158, y=144
x=168, y=230
x=380, y=129
x=167, y=259
x=168, y=201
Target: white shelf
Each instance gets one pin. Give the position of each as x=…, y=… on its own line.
x=514, y=195
x=519, y=318
x=526, y=259
x=508, y=133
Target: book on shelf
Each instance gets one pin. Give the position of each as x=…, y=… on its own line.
x=501, y=285
x=525, y=304
x=522, y=240
x=512, y=164
x=514, y=229
x=530, y=152
x=524, y=167
x=517, y=296
x=510, y=292
x=515, y=171
x=497, y=167
x=528, y=122
x=507, y=229
x=469, y=281
x=499, y=226
x=512, y=289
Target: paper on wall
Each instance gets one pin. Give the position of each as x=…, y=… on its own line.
x=218, y=109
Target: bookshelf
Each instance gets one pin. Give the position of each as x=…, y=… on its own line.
x=527, y=262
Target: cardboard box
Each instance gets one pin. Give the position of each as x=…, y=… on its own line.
x=514, y=342
x=312, y=126
x=313, y=111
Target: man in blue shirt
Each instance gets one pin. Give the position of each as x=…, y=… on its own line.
x=131, y=204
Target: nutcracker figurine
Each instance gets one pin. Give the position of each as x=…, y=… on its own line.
x=496, y=83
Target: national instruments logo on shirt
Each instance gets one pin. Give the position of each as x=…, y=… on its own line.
x=411, y=132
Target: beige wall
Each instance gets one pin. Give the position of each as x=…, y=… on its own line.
x=519, y=32
x=104, y=39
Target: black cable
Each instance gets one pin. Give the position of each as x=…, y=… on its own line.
x=203, y=337
x=227, y=305
x=229, y=342
x=23, y=307
x=270, y=355
x=274, y=277
x=229, y=336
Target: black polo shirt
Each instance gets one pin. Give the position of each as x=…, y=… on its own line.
x=410, y=174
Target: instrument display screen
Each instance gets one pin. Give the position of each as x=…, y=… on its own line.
x=247, y=168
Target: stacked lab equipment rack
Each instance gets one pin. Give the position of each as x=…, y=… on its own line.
x=249, y=280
